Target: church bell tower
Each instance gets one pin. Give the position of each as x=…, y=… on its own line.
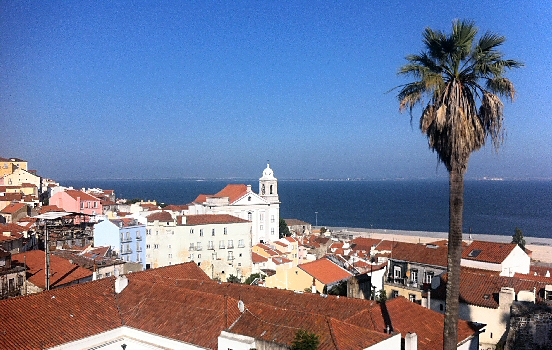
x=268, y=186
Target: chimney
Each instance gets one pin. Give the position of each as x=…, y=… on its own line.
x=120, y=283
x=248, y=188
x=411, y=341
x=429, y=298
x=313, y=288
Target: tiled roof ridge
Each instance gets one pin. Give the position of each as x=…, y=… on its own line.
x=332, y=334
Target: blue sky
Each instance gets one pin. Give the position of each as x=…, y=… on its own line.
x=151, y=89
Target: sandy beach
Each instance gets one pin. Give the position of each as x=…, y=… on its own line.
x=541, y=247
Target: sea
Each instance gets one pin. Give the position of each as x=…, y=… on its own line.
x=490, y=207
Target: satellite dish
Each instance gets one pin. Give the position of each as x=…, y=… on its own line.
x=241, y=306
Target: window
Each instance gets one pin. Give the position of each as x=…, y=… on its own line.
x=261, y=216
x=414, y=276
x=394, y=293
x=221, y=244
x=250, y=216
x=82, y=205
x=191, y=231
x=240, y=243
x=272, y=231
x=412, y=297
x=213, y=232
x=198, y=246
x=230, y=244
x=428, y=277
x=95, y=204
x=230, y=255
x=138, y=235
x=397, y=272
x=200, y=232
x=156, y=246
x=261, y=228
x=226, y=230
x=107, y=274
x=191, y=246
x=441, y=307
x=191, y=257
x=211, y=245
x=169, y=246
x=240, y=255
x=199, y=256
x=170, y=256
x=272, y=218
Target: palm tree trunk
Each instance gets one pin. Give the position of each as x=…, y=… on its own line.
x=456, y=209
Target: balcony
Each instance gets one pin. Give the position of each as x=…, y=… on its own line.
x=127, y=251
x=138, y=237
x=231, y=246
x=198, y=248
x=126, y=239
x=211, y=247
x=406, y=283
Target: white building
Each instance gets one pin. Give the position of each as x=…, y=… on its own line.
x=262, y=209
x=219, y=243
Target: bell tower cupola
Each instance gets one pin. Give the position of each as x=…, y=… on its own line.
x=268, y=186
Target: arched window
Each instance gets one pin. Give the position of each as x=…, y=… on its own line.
x=250, y=216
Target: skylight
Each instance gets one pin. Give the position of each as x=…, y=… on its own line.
x=474, y=253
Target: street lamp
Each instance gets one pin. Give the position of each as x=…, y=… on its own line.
x=316, y=220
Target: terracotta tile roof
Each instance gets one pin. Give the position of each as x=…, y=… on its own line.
x=9, y=197
x=79, y=311
x=258, y=258
x=492, y=252
x=163, y=216
x=408, y=317
x=385, y=245
x=180, y=302
x=280, y=244
x=204, y=219
x=83, y=195
x=174, y=207
x=202, y=198
x=11, y=232
x=49, y=208
x=13, y=208
x=420, y=253
x=325, y=271
x=482, y=288
x=233, y=192
x=290, y=239
x=61, y=270
x=362, y=243
x=279, y=325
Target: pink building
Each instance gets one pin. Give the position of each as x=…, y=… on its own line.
x=75, y=201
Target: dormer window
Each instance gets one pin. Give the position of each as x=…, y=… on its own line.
x=249, y=198
x=474, y=253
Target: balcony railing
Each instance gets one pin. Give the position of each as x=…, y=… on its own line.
x=231, y=246
x=126, y=239
x=138, y=237
x=198, y=248
x=403, y=281
x=211, y=247
x=127, y=251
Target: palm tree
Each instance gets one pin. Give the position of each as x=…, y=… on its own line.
x=462, y=81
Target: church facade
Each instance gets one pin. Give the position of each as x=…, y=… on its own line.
x=262, y=209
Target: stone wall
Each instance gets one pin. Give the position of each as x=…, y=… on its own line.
x=530, y=327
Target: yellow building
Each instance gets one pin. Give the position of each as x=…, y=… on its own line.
x=8, y=165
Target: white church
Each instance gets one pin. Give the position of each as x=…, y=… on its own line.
x=262, y=209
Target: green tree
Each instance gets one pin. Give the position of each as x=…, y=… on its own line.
x=233, y=279
x=518, y=239
x=284, y=229
x=305, y=340
x=458, y=81
x=381, y=296
x=323, y=229
x=251, y=278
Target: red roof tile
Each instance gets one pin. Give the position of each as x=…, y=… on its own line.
x=492, y=252
x=420, y=253
x=82, y=195
x=258, y=258
x=13, y=208
x=204, y=219
x=62, y=271
x=325, y=271
x=233, y=192
x=163, y=216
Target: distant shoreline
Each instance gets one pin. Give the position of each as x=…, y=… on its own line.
x=425, y=235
